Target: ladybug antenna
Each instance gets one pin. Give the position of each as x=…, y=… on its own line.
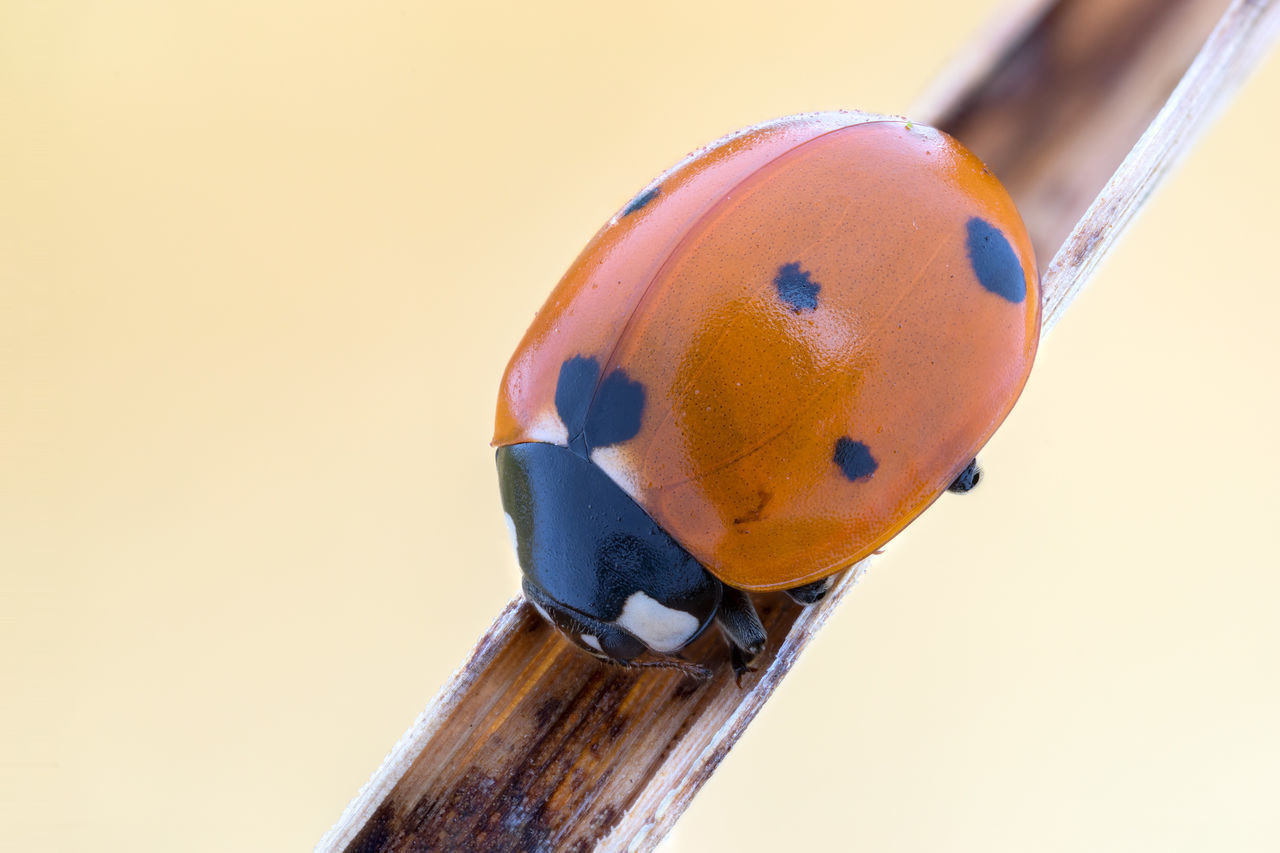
x=693, y=670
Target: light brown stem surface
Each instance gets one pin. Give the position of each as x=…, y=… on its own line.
x=534, y=745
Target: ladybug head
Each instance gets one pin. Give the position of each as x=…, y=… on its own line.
x=595, y=565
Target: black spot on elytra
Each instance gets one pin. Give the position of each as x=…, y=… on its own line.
x=796, y=288
x=855, y=459
x=613, y=415
x=994, y=261
x=577, y=382
x=641, y=201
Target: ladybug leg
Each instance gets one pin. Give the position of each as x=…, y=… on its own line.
x=811, y=593
x=968, y=478
x=741, y=626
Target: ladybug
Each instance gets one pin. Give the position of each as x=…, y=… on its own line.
x=758, y=372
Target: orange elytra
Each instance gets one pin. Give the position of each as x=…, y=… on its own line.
x=781, y=352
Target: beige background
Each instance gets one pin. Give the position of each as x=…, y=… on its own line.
x=262, y=265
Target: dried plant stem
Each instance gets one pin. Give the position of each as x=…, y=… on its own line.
x=533, y=745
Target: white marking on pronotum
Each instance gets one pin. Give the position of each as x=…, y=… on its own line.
x=548, y=427
x=592, y=642
x=616, y=462
x=511, y=531
x=659, y=627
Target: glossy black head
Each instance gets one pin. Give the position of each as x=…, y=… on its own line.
x=595, y=564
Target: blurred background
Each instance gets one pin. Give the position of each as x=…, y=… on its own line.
x=261, y=266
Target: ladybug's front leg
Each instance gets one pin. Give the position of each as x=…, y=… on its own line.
x=741, y=626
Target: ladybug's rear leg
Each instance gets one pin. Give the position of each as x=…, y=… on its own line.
x=968, y=478
x=811, y=593
x=741, y=626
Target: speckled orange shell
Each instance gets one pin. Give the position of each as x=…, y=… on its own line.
x=903, y=354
